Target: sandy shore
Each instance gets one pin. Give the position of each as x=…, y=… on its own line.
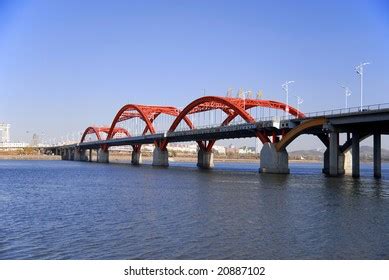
x=29, y=157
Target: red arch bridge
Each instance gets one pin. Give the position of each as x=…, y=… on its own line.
x=210, y=118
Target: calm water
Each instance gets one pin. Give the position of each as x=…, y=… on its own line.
x=72, y=210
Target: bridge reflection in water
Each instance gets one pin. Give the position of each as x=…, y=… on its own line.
x=211, y=118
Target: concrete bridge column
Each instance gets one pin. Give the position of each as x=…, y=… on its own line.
x=326, y=162
x=102, y=156
x=160, y=157
x=377, y=154
x=272, y=161
x=80, y=155
x=333, y=154
x=355, y=155
x=342, y=162
x=63, y=154
x=205, y=159
x=136, y=158
x=348, y=163
x=71, y=154
x=90, y=155
x=68, y=154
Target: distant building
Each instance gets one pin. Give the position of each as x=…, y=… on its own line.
x=35, y=140
x=12, y=146
x=231, y=149
x=219, y=149
x=246, y=150
x=4, y=133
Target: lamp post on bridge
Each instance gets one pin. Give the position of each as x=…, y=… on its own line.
x=300, y=101
x=359, y=70
x=347, y=93
x=249, y=95
x=285, y=87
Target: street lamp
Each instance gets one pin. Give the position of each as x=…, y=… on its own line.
x=285, y=87
x=299, y=102
x=359, y=70
x=347, y=93
x=242, y=94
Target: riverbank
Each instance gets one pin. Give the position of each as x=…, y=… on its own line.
x=29, y=157
x=121, y=158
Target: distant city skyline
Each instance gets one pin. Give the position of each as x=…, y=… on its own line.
x=65, y=65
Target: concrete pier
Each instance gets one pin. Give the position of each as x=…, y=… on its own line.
x=102, y=156
x=333, y=154
x=272, y=161
x=341, y=166
x=136, y=158
x=348, y=163
x=90, y=155
x=355, y=155
x=72, y=154
x=377, y=155
x=63, y=154
x=341, y=163
x=80, y=155
x=326, y=162
x=205, y=159
x=160, y=157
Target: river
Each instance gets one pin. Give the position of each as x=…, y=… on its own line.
x=77, y=210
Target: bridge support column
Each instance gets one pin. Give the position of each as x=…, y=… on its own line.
x=63, y=154
x=71, y=154
x=334, y=154
x=326, y=162
x=102, y=156
x=136, y=158
x=160, y=157
x=205, y=159
x=90, y=155
x=342, y=163
x=355, y=155
x=348, y=163
x=377, y=155
x=272, y=161
x=80, y=155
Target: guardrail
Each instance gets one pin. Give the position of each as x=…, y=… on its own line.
x=350, y=110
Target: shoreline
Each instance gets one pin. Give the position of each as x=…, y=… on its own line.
x=119, y=158
x=115, y=158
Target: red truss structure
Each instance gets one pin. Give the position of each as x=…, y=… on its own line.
x=98, y=130
x=232, y=107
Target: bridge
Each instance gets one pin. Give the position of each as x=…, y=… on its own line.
x=211, y=118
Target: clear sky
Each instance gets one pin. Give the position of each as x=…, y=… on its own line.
x=67, y=64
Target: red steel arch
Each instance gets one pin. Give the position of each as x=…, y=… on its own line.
x=233, y=107
x=98, y=130
x=147, y=114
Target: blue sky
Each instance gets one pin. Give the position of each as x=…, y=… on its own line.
x=67, y=64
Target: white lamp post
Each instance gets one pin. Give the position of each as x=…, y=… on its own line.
x=359, y=70
x=285, y=87
x=347, y=93
x=299, y=102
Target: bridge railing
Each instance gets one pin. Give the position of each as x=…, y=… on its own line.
x=332, y=112
x=350, y=110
